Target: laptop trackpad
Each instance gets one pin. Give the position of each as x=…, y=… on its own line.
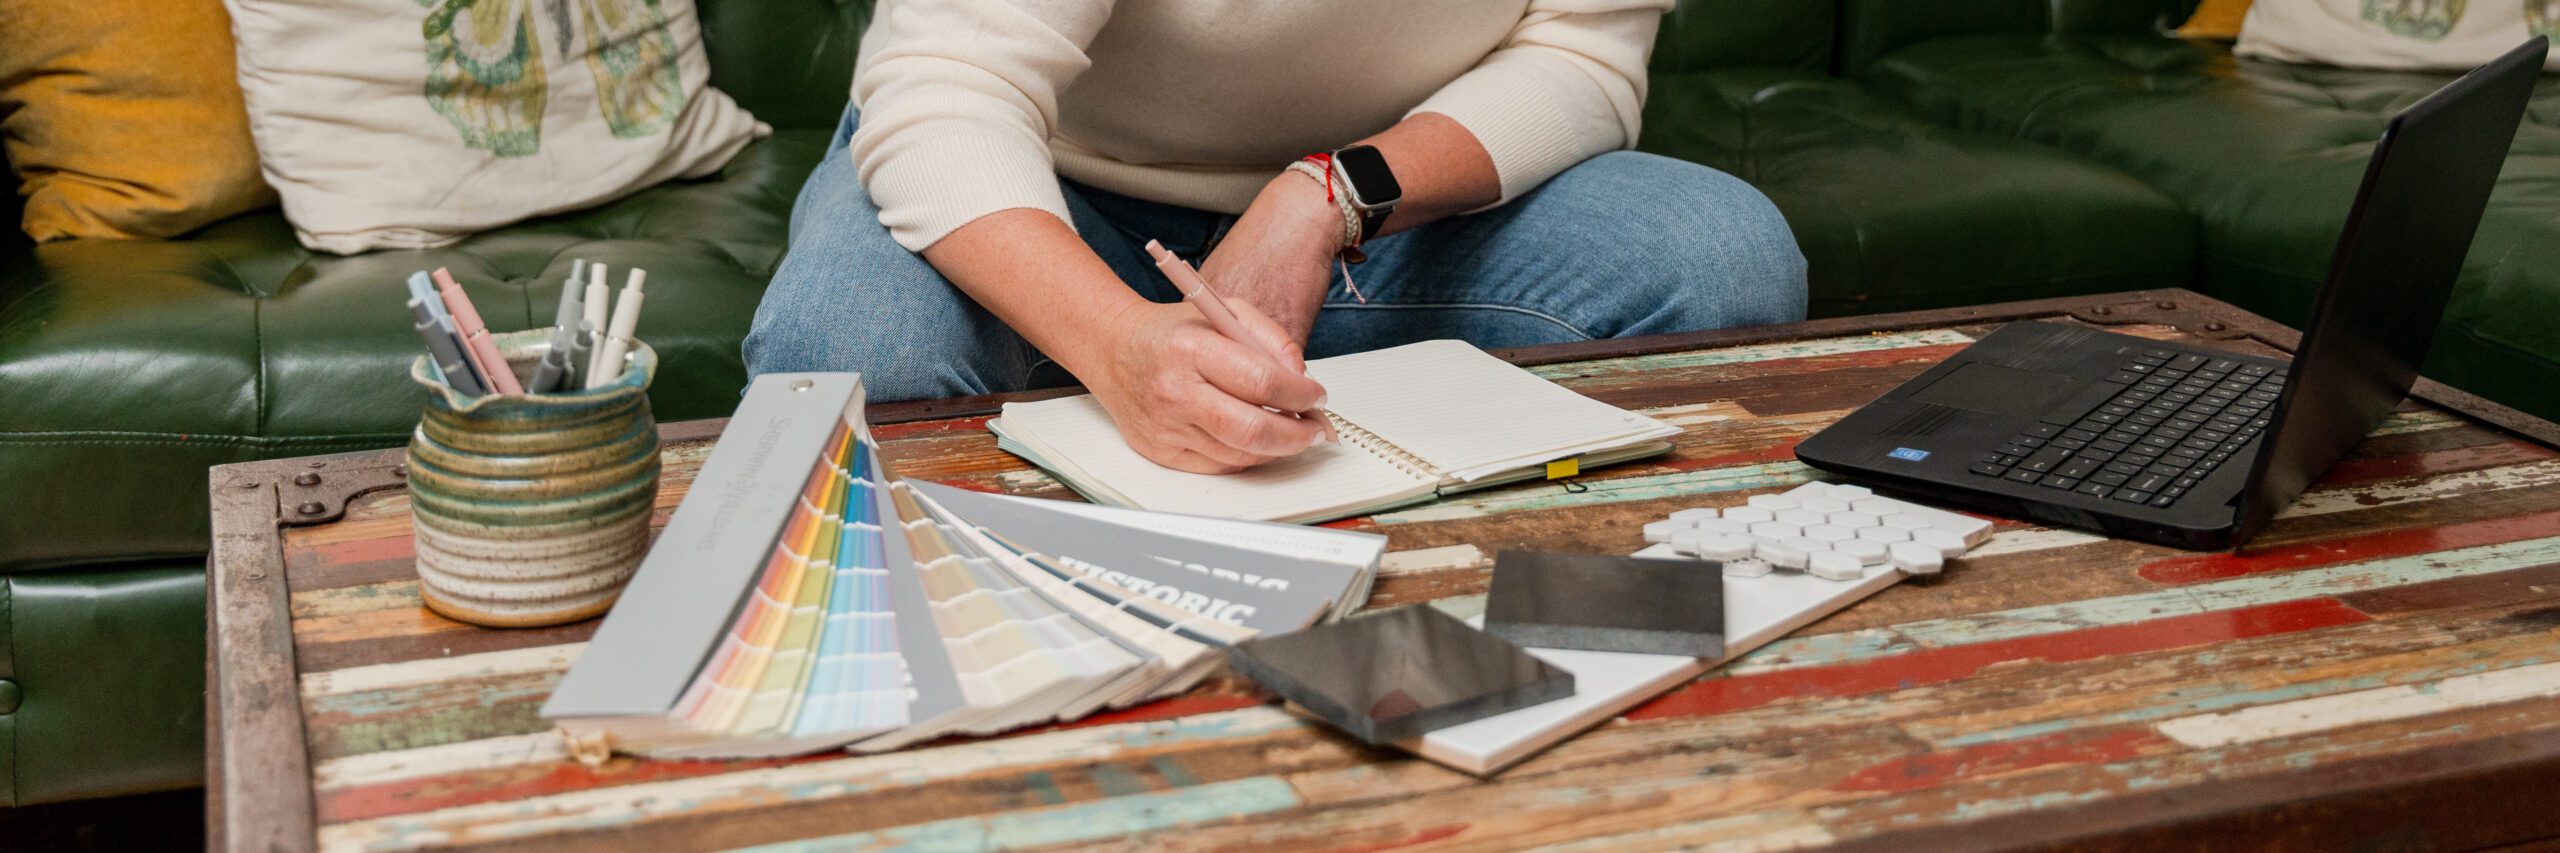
x=1981, y=387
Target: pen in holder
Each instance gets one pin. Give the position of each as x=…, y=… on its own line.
x=532, y=509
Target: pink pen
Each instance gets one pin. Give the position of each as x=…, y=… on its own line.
x=1195, y=290
x=475, y=336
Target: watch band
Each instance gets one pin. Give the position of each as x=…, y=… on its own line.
x=1371, y=220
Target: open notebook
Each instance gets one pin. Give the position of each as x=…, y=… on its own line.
x=1417, y=421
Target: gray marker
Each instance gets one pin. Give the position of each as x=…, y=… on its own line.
x=553, y=373
x=445, y=351
x=581, y=346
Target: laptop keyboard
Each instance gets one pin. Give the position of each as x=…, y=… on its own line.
x=2180, y=416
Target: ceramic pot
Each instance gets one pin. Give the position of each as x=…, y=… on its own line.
x=532, y=509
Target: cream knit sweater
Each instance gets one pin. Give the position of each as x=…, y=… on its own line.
x=975, y=106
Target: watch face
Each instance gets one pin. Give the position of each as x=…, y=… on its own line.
x=1372, y=184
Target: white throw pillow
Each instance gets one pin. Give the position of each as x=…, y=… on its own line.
x=412, y=123
x=2436, y=35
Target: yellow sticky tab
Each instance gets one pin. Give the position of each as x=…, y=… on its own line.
x=1562, y=468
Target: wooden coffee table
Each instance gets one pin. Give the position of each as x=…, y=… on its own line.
x=2383, y=666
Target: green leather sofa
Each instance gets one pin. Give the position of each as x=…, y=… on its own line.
x=1927, y=153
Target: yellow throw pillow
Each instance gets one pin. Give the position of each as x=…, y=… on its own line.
x=123, y=117
x=2217, y=20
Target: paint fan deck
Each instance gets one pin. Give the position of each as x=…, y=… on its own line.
x=729, y=642
x=2385, y=664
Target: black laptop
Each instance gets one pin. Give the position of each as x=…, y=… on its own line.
x=2191, y=446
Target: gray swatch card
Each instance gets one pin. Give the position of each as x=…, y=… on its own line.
x=933, y=684
x=1607, y=603
x=1267, y=592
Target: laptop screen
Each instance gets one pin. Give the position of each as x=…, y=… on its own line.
x=2423, y=194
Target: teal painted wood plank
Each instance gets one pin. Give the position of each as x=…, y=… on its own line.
x=648, y=802
x=1115, y=780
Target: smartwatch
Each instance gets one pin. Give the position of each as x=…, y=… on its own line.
x=1373, y=188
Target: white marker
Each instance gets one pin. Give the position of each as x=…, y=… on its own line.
x=626, y=317
x=599, y=300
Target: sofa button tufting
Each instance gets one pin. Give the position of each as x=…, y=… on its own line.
x=8, y=697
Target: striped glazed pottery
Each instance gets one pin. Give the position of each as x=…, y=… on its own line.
x=532, y=509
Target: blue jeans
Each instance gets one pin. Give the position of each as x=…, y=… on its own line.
x=1622, y=244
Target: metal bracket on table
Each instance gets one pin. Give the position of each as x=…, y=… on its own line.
x=2163, y=312
x=318, y=492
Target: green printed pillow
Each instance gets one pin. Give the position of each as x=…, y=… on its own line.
x=2444, y=35
x=413, y=123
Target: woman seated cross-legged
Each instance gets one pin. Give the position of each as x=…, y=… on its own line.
x=1348, y=174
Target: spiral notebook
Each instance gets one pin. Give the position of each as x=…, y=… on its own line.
x=1417, y=421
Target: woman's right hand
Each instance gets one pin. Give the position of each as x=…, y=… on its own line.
x=1182, y=394
x=1191, y=399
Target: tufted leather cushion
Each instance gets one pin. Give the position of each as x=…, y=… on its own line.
x=101, y=682
x=133, y=365
x=1701, y=34
x=2268, y=156
x=1897, y=213
x=1871, y=29
x=790, y=62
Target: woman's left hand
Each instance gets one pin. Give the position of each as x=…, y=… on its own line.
x=1279, y=256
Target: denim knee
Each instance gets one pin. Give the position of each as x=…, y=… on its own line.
x=911, y=334
x=1726, y=255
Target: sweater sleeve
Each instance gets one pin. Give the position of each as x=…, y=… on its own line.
x=958, y=98
x=1566, y=85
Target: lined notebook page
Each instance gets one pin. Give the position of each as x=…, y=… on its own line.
x=1315, y=484
x=1469, y=414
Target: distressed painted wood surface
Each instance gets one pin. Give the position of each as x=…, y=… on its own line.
x=2052, y=682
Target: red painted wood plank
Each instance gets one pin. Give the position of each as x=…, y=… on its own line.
x=1932, y=769
x=2509, y=452
x=2541, y=583
x=1938, y=666
x=310, y=559
x=894, y=432
x=2197, y=568
x=1417, y=838
x=317, y=577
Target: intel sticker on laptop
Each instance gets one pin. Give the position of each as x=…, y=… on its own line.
x=1908, y=454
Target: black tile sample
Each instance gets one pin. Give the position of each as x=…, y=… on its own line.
x=1605, y=603
x=1399, y=674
